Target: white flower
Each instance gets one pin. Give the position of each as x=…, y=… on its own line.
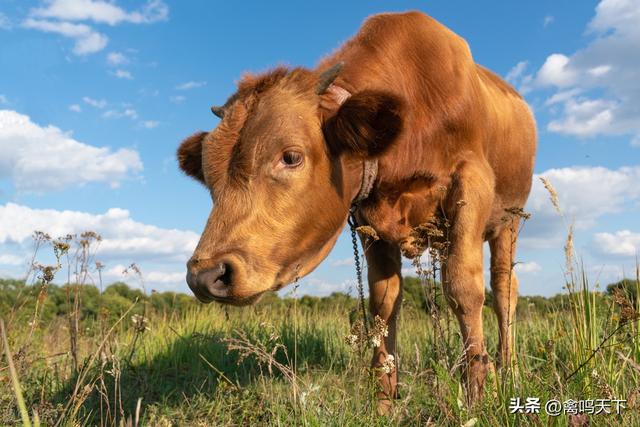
x=389, y=365
x=352, y=340
x=375, y=341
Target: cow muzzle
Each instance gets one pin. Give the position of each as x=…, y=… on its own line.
x=213, y=283
x=222, y=280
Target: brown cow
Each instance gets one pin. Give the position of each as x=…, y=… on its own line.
x=439, y=137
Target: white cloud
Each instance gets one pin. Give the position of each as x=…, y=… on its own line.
x=599, y=71
x=122, y=237
x=548, y=20
x=3, y=99
x=160, y=253
x=148, y=92
x=408, y=271
x=621, y=243
x=562, y=96
x=117, y=58
x=92, y=43
x=585, y=195
x=60, y=17
x=5, y=22
x=165, y=277
x=345, y=262
x=514, y=74
x=518, y=78
x=102, y=12
x=622, y=15
x=116, y=114
x=75, y=108
x=150, y=124
x=97, y=103
x=312, y=285
x=603, y=75
x=190, y=85
x=584, y=117
x=38, y=158
x=531, y=267
x=123, y=74
x=178, y=99
x=606, y=274
x=10, y=259
x=556, y=72
x=86, y=39
x=160, y=280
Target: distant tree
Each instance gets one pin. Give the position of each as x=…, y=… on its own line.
x=125, y=291
x=171, y=302
x=114, y=305
x=89, y=297
x=309, y=301
x=9, y=290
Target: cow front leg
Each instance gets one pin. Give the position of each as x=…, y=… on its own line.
x=463, y=281
x=385, y=297
x=464, y=290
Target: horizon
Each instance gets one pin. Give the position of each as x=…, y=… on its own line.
x=94, y=102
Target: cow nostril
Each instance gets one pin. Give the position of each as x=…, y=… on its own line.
x=216, y=280
x=224, y=271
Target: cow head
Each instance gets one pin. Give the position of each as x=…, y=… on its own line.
x=282, y=168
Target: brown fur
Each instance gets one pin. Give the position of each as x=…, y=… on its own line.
x=452, y=139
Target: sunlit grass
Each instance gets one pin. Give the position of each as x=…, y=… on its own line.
x=184, y=372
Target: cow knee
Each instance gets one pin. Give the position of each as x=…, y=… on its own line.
x=465, y=292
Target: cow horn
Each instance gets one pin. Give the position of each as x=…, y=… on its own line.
x=218, y=111
x=327, y=77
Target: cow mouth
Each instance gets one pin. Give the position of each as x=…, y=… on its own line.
x=230, y=300
x=240, y=301
x=253, y=299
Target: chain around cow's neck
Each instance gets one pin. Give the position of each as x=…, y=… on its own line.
x=353, y=224
x=369, y=174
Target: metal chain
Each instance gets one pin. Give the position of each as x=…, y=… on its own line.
x=353, y=224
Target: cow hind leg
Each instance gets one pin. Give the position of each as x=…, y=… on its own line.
x=504, y=286
x=385, y=296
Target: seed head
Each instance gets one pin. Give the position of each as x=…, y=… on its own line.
x=553, y=194
x=140, y=323
x=568, y=249
x=368, y=231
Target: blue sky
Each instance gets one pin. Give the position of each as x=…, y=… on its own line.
x=95, y=97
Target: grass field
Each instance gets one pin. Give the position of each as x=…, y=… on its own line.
x=286, y=362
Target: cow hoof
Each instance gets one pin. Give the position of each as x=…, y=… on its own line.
x=476, y=373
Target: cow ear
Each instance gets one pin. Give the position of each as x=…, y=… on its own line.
x=190, y=156
x=366, y=124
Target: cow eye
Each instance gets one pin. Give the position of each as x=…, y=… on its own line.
x=291, y=159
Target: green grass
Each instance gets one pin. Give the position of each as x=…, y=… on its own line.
x=294, y=367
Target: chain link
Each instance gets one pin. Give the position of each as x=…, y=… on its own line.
x=353, y=224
